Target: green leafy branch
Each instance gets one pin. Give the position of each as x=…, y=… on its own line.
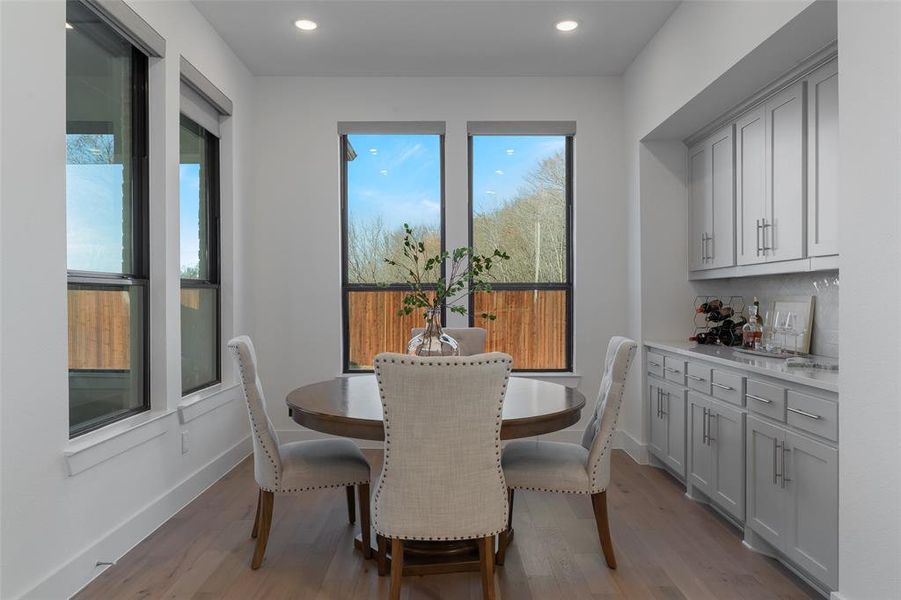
x=469, y=273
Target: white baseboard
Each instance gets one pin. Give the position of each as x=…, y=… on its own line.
x=837, y=596
x=82, y=569
x=625, y=442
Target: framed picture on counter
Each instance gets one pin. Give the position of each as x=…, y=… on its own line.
x=790, y=320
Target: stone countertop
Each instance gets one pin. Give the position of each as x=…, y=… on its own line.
x=773, y=367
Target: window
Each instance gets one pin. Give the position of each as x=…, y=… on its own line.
x=199, y=256
x=521, y=202
x=106, y=222
x=387, y=180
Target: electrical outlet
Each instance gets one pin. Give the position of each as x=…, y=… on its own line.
x=184, y=442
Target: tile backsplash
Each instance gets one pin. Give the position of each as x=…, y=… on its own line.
x=824, y=285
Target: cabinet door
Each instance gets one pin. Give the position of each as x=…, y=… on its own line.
x=657, y=443
x=699, y=454
x=783, y=232
x=767, y=496
x=699, y=219
x=822, y=161
x=750, y=186
x=721, y=237
x=727, y=430
x=812, y=480
x=674, y=403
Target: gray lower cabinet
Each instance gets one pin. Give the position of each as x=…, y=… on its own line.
x=716, y=462
x=793, y=497
x=667, y=410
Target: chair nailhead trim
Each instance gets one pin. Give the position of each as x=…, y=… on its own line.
x=497, y=432
x=242, y=369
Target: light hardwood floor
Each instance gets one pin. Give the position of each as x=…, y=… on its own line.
x=666, y=545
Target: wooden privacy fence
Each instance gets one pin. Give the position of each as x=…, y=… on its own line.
x=530, y=326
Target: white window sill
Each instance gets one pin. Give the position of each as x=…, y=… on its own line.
x=203, y=401
x=93, y=448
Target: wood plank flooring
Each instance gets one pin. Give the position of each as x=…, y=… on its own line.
x=667, y=547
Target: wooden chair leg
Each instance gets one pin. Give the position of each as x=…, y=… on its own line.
x=504, y=538
x=397, y=567
x=267, y=500
x=381, y=558
x=351, y=512
x=486, y=566
x=599, y=503
x=363, y=499
x=256, y=519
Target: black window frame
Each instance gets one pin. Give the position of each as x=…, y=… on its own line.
x=568, y=285
x=347, y=287
x=214, y=266
x=140, y=208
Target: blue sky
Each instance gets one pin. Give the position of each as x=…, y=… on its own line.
x=397, y=177
x=501, y=162
x=94, y=217
x=189, y=212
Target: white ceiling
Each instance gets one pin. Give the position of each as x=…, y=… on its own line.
x=436, y=37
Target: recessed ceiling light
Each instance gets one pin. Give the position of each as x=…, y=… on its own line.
x=69, y=25
x=306, y=24
x=566, y=25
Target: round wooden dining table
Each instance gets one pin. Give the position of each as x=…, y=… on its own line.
x=351, y=407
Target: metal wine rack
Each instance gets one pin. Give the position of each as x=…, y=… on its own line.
x=702, y=325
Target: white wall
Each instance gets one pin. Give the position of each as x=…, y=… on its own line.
x=297, y=268
x=870, y=388
x=55, y=526
x=698, y=44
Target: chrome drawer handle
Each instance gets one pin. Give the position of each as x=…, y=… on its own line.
x=723, y=387
x=759, y=399
x=653, y=364
x=695, y=378
x=801, y=412
x=670, y=370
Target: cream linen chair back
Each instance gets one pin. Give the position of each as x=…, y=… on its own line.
x=442, y=476
x=598, y=436
x=470, y=339
x=267, y=463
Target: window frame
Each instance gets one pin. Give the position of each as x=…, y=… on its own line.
x=347, y=287
x=567, y=286
x=140, y=232
x=214, y=253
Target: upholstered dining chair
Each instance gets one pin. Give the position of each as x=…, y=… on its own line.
x=295, y=467
x=442, y=477
x=470, y=339
x=575, y=468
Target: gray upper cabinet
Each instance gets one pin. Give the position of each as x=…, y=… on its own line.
x=750, y=159
x=784, y=228
x=711, y=171
x=822, y=160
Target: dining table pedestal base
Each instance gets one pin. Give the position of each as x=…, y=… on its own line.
x=433, y=557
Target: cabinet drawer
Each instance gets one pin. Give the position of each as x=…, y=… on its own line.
x=816, y=415
x=674, y=369
x=655, y=364
x=698, y=377
x=766, y=399
x=728, y=387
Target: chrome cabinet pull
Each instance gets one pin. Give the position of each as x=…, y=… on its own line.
x=671, y=370
x=723, y=387
x=703, y=247
x=704, y=427
x=758, y=237
x=785, y=449
x=758, y=398
x=710, y=415
x=653, y=364
x=695, y=377
x=658, y=403
x=663, y=403
x=764, y=227
x=776, y=447
x=801, y=412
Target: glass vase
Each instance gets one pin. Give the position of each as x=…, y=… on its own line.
x=433, y=341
